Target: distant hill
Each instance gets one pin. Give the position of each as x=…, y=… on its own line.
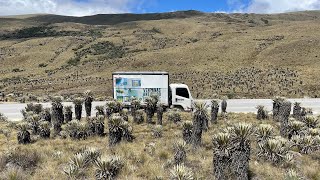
x=237, y=55
x=112, y=19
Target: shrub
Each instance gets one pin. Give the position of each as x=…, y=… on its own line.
x=3, y=118
x=174, y=115
x=23, y=158
x=157, y=131
x=17, y=70
x=77, y=130
x=14, y=173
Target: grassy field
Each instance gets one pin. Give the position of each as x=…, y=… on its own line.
x=46, y=158
x=238, y=55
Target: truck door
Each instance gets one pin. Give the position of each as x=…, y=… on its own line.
x=183, y=98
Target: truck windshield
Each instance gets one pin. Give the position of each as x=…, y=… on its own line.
x=183, y=92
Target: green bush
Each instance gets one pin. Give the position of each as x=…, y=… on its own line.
x=74, y=61
x=42, y=65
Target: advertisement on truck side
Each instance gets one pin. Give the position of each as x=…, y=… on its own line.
x=140, y=86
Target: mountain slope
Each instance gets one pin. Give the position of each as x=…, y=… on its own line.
x=238, y=55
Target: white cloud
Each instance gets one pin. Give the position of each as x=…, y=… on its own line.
x=279, y=6
x=66, y=7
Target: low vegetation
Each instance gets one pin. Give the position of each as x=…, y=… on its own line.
x=117, y=144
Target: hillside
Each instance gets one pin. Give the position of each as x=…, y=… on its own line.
x=238, y=55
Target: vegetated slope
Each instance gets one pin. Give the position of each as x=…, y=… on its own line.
x=238, y=55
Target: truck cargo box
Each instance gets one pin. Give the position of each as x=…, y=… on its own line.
x=127, y=85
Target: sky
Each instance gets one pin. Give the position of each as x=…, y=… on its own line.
x=90, y=7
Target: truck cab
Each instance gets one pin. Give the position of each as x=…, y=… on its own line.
x=180, y=96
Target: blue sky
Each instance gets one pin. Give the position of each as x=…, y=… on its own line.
x=90, y=7
x=200, y=5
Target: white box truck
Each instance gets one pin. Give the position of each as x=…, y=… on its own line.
x=140, y=85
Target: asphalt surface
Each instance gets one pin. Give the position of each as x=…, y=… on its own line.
x=12, y=110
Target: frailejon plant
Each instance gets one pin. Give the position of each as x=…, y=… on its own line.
x=92, y=154
x=232, y=151
x=100, y=110
x=275, y=150
x=311, y=121
x=181, y=172
x=80, y=160
x=160, y=110
x=214, y=111
x=36, y=108
x=291, y=174
x=34, y=121
x=99, y=125
x=264, y=132
x=157, y=131
x=113, y=106
x=295, y=128
x=83, y=131
x=68, y=113
x=88, y=98
x=124, y=114
x=306, y=144
x=57, y=114
x=139, y=116
x=71, y=171
x=200, y=117
x=224, y=105
x=221, y=155
x=77, y=130
x=262, y=113
x=91, y=122
x=281, y=113
x=241, y=150
x=314, y=131
x=46, y=114
x=187, y=131
x=277, y=101
x=180, y=153
x=151, y=107
x=108, y=167
x=3, y=118
x=78, y=107
x=115, y=129
x=134, y=106
x=44, y=130
x=72, y=129
x=297, y=110
x=127, y=132
x=23, y=135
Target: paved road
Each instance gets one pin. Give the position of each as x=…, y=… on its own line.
x=12, y=111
